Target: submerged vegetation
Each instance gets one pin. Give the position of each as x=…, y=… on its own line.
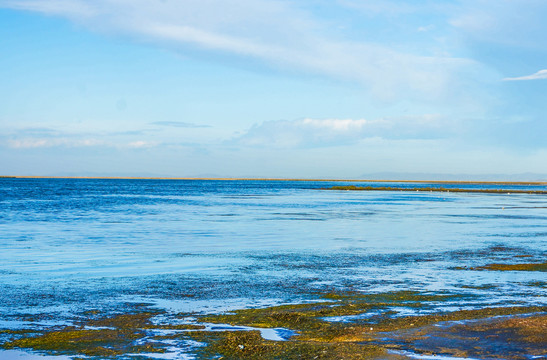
x=341, y=325
x=250, y=345
x=508, y=267
x=514, y=267
x=434, y=189
x=331, y=324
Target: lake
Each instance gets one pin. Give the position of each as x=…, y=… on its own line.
x=74, y=250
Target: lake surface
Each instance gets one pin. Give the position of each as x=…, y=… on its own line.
x=73, y=245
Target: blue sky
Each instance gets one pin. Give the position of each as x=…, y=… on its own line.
x=258, y=88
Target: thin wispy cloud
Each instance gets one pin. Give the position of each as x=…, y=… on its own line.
x=38, y=132
x=63, y=142
x=33, y=143
x=540, y=75
x=280, y=34
x=38, y=138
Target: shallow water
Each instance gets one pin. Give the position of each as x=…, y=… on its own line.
x=70, y=245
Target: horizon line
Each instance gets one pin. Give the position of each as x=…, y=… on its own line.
x=270, y=179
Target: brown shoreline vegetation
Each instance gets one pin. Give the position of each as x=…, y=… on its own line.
x=378, y=335
x=435, y=189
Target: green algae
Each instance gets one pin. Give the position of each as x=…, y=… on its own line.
x=529, y=329
x=141, y=320
x=419, y=321
x=17, y=332
x=316, y=337
x=71, y=340
x=514, y=267
x=515, y=337
x=348, y=340
x=538, y=284
x=480, y=287
x=398, y=297
x=250, y=345
x=311, y=320
x=108, y=337
x=542, y=267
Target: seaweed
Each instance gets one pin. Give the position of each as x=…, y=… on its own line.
x=514, y=267
x=72, y=340
x=250, y=345
x=317, y=336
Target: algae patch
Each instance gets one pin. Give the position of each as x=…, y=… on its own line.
x=515, y=337
x=374, y=336
x=311, y=320
x=319, y=338
x=515, y=267
x=250, y=345
x=105, y=337
x=542, y=267
x=103, y=342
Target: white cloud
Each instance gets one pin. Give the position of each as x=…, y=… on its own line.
x=542, y=74
x=332, y=132
x=141, y=144
x=280, y=33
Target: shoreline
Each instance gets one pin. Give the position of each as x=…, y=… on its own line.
x=277, y=179
x=439, y=189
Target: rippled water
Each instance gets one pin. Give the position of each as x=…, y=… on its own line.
x=68, y=245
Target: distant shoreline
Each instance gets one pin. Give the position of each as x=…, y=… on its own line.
x=278, y=179
x=439, y=189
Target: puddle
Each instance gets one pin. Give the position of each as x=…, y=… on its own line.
x=427, y=357
x=209, y=306
x=273, y=334
x=21, y=355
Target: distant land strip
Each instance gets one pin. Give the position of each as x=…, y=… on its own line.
x=283, y=179
x=435, y=189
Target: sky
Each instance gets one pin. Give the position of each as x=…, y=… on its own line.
x=264, y=88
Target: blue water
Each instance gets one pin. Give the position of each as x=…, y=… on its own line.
x=70, y=245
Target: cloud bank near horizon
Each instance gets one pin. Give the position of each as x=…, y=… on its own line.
x=317, y=133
